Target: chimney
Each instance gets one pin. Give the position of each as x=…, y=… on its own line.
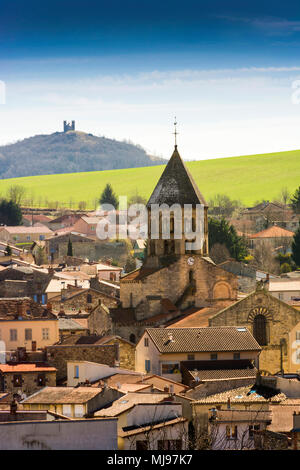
x=13, y=407
x=166, y=389
x=228, y=404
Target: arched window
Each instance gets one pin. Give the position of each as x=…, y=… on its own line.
x=260, y=330
x=132, y=338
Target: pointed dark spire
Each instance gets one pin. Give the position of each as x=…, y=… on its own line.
x=176, y=185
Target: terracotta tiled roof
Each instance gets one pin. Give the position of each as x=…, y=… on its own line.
x=23, y=307
x=139, y=274
x=241, y=395
x=198, y=317
x=25, y=368
x=226, y=338
x=273, y=232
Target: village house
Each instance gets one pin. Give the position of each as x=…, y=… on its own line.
x=81, y=299
x=148, y=421
x=69, y=326
x=26, y=324
x=31, y=219
x=231, y=429
x=56, y=246
x=82, y=349
x=285, y=289
x=71, y=402
x=26, y=378
x=103, y=271
x=276, y=237
x=63, y=221
x=24, y=235
x=271, y=213
x=161, y=350
x=125, y=351
x=86, y=225
x=25, y=281
x=80, y=372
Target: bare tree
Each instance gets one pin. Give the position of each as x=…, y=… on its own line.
x=16, y=193
x=219, y=253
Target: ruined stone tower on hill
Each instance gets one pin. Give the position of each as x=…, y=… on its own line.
x=69, y=126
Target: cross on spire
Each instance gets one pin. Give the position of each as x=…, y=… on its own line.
x=175, y=132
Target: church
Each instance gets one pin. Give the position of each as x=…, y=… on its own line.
x=175, y=279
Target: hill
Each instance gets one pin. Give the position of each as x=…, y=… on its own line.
x=69, y=152
x=248, y=178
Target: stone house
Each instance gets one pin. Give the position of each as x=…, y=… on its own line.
x=26, y=378
x=276, y=237
x=86, y=225
x=20, y=234
x=125, y=351
x=56, y=246
x=162, y=350
x=285, y=289
x=23, y=281
x=58, y=355
x=103, y=271
x=26, y=324
x=271, y=322
x=68, y=401
x=82, y=299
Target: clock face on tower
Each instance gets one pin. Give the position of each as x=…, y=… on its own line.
x=190, y=261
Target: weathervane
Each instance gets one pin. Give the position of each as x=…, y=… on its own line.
x=175, y=132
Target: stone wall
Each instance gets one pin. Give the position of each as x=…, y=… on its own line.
x=29, y=382
x=59, y=355
x=281, y=319
x=80, y=301
x=172, y=282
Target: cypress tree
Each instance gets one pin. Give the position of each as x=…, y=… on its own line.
x=296, y=248
x=70, y=248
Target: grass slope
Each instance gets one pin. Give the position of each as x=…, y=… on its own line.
x=248, y=178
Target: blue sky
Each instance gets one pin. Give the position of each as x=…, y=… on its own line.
x=124, y=68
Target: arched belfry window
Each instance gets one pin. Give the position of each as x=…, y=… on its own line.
x=260, y=332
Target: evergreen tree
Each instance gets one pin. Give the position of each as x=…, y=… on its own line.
x=8, y=251
x=10, y=213
x=219, y=231
x=295, y=200
x=70, y=248
x=108, y=196
x=130, y=264
x=296, y=248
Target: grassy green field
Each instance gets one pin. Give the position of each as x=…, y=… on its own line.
x=248, y=178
